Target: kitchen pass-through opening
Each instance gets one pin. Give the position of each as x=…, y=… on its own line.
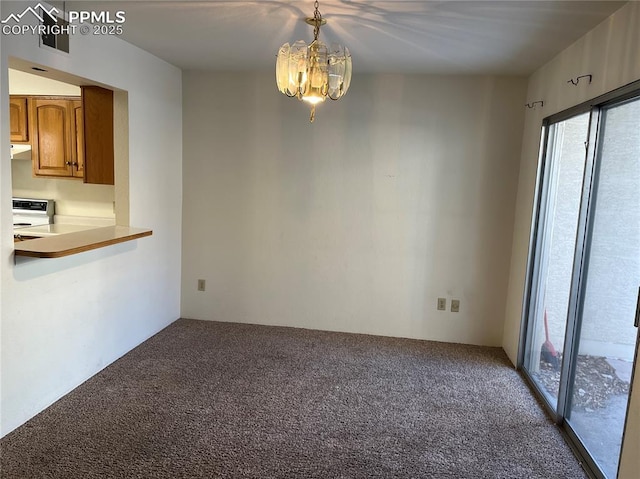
x=59, y=148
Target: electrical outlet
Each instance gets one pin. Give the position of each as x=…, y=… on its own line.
x=455, y=305
x=201, y=284
x=442, y=304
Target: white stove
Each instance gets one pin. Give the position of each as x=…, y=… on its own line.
x=29, y=212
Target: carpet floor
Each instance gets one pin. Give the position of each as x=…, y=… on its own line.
x=222, y=400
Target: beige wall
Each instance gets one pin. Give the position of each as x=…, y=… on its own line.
x=611, y=53
x=401, y=192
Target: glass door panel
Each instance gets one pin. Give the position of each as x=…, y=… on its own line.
x=556, y=245
x=606, y=336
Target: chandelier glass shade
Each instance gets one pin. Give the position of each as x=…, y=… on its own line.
x=313, y=72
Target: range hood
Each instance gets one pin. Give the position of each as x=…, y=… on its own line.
x=17, y=148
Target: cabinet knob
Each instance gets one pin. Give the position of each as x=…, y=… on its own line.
x=68, y=163
x=75, y=163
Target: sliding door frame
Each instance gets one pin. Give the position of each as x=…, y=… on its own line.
x=583, y=236
x=583, y=241
x=543, y=186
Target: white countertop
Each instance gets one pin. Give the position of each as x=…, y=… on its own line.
x=50, y=230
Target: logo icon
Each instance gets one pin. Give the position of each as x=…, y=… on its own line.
x=51, y=13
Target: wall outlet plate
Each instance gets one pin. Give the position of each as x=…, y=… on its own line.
x=201, y=284
x=455, y=305
x=442, y=304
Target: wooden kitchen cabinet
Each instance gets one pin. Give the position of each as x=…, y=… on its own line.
x=55, y=150
x=97, y=106
x=18, y=119
x=72, y=137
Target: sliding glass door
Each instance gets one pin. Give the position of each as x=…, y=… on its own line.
x=565, y=167
x=585, y=274
x=606, y=337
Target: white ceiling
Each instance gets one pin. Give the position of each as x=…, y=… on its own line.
x=440, y=37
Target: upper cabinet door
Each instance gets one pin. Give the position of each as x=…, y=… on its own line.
x=71, y=137
x=97, y=106
x=51, y=135
x=18, y=119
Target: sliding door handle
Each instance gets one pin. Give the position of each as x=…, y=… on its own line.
x=636, y=323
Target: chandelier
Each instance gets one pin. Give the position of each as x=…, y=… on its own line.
x=313, y=72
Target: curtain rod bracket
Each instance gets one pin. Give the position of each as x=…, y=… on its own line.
x=577, y=79
x=533, y=104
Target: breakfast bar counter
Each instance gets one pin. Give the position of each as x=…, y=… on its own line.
x=77, y=242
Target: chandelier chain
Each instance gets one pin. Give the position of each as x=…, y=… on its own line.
x=317, y=16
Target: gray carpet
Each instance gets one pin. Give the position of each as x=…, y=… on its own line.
x=222, y=400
